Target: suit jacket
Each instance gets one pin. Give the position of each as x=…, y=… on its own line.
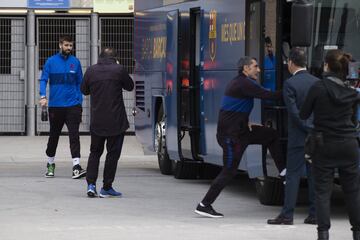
x=295, y=90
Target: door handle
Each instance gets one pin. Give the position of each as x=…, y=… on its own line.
x=22, y=75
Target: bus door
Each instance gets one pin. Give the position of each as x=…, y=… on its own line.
x=190, y=107
x=260, y=164
x=172, y=86
x=276, y=48
x=252, y=160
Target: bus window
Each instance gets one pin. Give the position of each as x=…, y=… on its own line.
x=336, y=26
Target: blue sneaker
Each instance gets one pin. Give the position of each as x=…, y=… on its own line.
x=109, y=193
x=91, y=191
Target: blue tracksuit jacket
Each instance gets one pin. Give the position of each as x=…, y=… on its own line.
x=65, y=77
x=237, y=103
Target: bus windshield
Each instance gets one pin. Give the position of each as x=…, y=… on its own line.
x=336, y=26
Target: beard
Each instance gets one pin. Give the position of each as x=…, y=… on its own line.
x=65, y=53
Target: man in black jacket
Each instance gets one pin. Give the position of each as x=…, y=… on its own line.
x=104, y=83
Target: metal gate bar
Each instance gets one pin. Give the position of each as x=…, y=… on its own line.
x=12, y=74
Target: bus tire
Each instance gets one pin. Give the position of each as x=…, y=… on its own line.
x=270, y=191
x=165, y=164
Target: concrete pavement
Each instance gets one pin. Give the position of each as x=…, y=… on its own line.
x=153, y=206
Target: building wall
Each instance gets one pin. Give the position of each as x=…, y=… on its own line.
x=23, y=3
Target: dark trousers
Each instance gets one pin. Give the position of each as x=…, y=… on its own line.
x=58, y=116
x=295, y=168
x=342, y=155
x=113, y=147
x=233, y=150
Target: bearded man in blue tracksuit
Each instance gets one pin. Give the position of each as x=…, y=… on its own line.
x=65, y=99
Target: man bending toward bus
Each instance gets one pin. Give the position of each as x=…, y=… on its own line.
x=234, y=133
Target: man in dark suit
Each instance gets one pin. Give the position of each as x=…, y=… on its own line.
x=295, y=91
x=104, y=82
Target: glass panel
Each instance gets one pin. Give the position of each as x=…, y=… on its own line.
x=252, y=45
x=269, y=66
x=336, y=26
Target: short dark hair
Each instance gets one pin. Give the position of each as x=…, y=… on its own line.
x=298, y=56
x=65, y=38
x=244, y=61
x=268, y=40
x=108, y=52
x=338, y=62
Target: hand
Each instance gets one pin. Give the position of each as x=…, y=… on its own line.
x=254, y=124
x=43, y=102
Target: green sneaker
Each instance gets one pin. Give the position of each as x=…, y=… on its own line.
x=50, y=170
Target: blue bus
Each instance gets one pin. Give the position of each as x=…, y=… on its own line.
x=185, y=54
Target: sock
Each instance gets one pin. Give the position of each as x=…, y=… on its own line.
x=283, y=172
x=76, y=161
x=51, y=160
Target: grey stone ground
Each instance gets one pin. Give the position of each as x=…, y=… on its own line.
x=153, y=206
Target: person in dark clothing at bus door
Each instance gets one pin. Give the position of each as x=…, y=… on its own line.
x=235, y=133
x=333, y=104
x=104, y=82
x=65, y=99
x=295, y=90
x=269, y=66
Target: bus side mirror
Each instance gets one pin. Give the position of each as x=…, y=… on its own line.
x=301, y=23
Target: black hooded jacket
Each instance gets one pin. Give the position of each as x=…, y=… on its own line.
x=105, y=82
x=334, y=106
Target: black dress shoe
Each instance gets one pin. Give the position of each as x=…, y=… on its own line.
x=281, y=220
x=310, y=220
x=323, y=235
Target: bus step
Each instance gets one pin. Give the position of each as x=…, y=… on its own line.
x=187, y=169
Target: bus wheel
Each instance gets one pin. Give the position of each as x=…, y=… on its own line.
x=270, y=191
x=165, y=164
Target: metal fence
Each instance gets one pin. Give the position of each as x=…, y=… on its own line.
x=49, y=29
x=117, y=32
x=12, y=75
x=114, y=32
